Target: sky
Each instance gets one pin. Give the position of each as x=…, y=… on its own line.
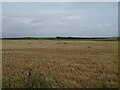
x=52, y=19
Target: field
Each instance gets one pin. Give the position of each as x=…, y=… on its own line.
x=59, y=63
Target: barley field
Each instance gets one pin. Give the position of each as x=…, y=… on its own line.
x=59, y=64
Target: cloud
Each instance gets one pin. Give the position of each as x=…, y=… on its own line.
x=67, y=19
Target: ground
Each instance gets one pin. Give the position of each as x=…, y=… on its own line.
x=77, y=63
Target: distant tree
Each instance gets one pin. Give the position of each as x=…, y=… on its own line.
x=58, y=37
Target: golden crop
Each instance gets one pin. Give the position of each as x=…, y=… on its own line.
x=76, y=63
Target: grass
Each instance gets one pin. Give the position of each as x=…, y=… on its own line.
x=107, y=85
x=37, y=81
x=40, y=82
x=32, y=81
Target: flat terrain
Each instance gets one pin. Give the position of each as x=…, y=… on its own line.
x=75, y=63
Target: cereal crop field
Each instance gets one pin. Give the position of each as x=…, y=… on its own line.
x=59, y=64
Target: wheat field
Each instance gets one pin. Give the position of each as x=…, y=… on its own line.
x=69, y=63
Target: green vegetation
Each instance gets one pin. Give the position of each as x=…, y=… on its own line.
x=107, y=40
x=107, y=85
x=32, y=81
x=54, y=38
x=40, y=82
x=27, y=38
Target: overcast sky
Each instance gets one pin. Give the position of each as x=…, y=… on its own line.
x=51, y=19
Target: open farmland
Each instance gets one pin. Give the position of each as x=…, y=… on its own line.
x=73, y=64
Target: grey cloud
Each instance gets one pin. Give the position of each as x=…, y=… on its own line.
x=63, y=21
